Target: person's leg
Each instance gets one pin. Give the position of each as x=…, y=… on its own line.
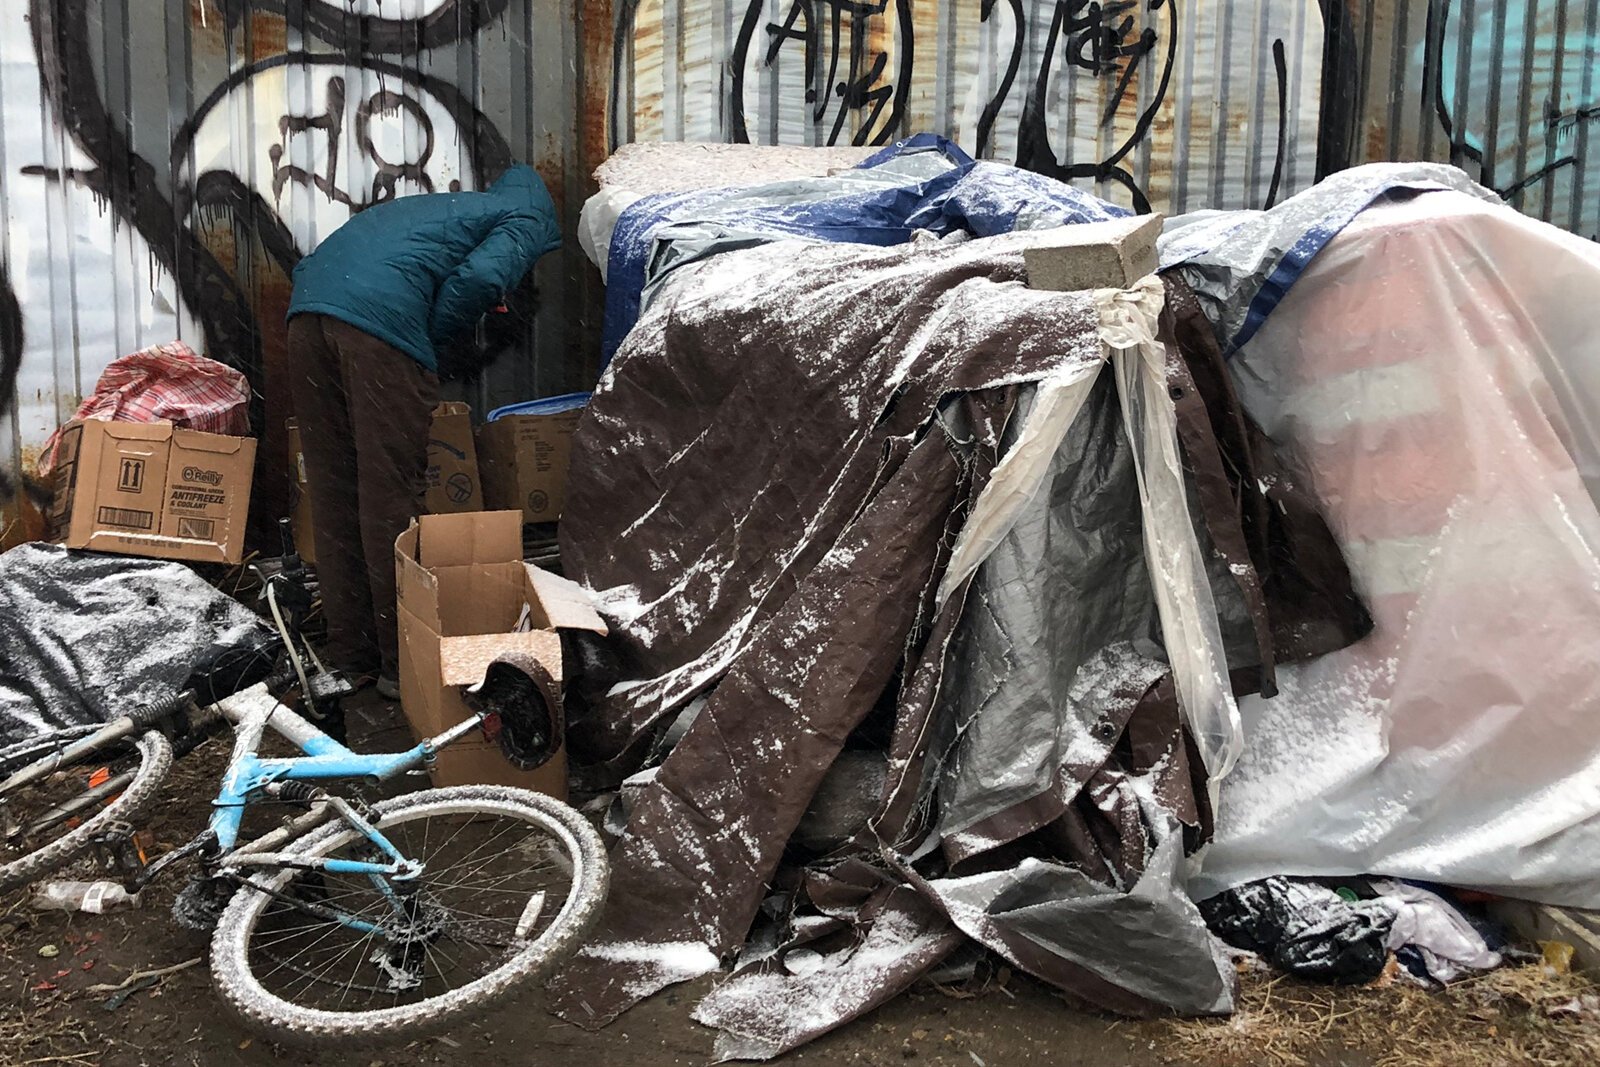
x=317, y=386
x=391, y=401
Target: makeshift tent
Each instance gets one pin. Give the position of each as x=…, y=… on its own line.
x=821, y=481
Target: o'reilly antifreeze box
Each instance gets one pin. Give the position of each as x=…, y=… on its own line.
x=152, y=489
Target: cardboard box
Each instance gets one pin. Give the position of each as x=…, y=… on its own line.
x=453, y=484
x=524, y=460
x=462, y=586
x=152, y=489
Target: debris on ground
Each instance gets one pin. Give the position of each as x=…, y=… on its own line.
x=1516, y=1015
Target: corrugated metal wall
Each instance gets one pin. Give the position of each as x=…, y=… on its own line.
x=1508, y=90
x=1180, y=104
x=163, y=164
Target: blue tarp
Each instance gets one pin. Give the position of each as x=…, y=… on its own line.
x=923, y=183
x=1241, y=264
x=550, y=405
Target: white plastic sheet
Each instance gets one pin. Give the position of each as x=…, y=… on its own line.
x=1128, y=324
x=1436, y=375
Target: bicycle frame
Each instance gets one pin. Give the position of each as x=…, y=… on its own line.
x=254, y=711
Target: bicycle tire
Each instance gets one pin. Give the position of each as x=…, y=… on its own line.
x=155, y=761
x=291, y=1023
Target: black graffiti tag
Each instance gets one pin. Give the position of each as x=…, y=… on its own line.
x=1097, y=38
x=832, y=34
x=1097, y=43
x=387, y=173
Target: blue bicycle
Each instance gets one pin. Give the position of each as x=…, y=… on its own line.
x=348, y=923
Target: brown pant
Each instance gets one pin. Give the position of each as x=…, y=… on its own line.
x=364, y=409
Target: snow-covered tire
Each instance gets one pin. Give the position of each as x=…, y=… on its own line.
x=284, y=1021
x=155, y=760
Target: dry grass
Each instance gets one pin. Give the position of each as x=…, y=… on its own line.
x=1515, y=1016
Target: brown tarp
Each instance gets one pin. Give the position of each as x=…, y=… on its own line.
x=771, y=478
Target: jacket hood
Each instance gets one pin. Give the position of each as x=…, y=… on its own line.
x=522, y=185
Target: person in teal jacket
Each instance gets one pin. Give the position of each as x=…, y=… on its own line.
x=380, y=311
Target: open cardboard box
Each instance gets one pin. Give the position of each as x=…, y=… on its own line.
x=525, y=460
x=462, y=587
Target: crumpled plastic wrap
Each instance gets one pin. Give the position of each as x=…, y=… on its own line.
x=1435, y=375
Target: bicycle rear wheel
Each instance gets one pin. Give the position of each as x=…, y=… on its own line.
x=48, y=823
x=512, y=882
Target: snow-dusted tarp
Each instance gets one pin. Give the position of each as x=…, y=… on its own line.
x=85, y=637
x=1436, y=375
x=922, y=185
x=779, y=465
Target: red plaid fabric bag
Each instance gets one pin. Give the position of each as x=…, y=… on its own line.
x=166, y=382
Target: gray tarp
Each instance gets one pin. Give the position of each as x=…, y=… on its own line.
x=1241, y=264
x=85, y=637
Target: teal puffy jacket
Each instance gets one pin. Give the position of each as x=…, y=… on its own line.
x=418, y=272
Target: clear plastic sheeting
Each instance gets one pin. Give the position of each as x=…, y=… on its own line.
x=1193, y=639
x=1435, y=374
x=1241, y=264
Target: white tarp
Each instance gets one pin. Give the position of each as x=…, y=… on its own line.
x=1436, y=376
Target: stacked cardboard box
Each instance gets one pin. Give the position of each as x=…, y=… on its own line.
x=151, y=489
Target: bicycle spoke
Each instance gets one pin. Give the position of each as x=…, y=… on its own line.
x=453, y=924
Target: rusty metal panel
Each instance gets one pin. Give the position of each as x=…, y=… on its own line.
x=160, y=173
x=163, y=166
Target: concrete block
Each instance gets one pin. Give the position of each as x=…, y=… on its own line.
x=1544, y=922
x=1094, y=255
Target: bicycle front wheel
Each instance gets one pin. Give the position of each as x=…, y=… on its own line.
x=511, y=883
x=53, y=820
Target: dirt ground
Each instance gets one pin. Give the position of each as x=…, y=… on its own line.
x=52, y=1013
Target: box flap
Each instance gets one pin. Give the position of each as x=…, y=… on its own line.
x=463, y=660
x=200, y=441
x=417, y=590
x=471, y=537
x=134, y=431
x=452, y=407
x=567, y=605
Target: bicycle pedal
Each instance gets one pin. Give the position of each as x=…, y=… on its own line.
x=329, y=686
x=120, y=849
